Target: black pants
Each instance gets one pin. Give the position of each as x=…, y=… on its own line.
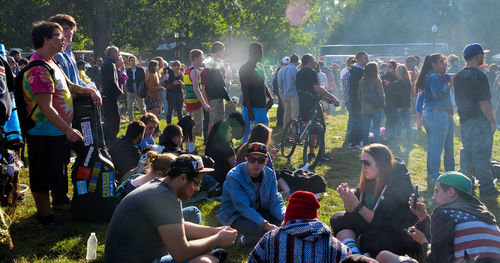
x=357, y=124
x=279, y=113
x=175, y=102
x=111, y=119
x=373, y=239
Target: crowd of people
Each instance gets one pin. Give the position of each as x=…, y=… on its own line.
x=383, y=216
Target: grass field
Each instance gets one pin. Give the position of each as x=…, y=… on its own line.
x=69, y=245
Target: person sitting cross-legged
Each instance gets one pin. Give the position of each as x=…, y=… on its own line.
x=301, y=238
x=250, y=200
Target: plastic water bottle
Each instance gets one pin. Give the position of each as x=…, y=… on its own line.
x=91, y=247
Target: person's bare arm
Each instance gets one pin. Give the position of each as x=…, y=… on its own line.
x=44, y=101
x=325, y=94
x=194, y=78
x=174, y=238
x=488, y=113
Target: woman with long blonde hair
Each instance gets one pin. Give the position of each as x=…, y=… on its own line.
x=401, y=90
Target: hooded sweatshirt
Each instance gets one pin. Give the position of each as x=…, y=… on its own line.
x=300, y=240
x=459, y=226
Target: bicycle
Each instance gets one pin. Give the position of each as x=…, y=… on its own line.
x=311, y=136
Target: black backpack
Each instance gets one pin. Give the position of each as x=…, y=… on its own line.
x=303, y=180
x=6, y=85
x=24, y=117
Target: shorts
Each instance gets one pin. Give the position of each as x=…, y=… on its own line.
x=197, y=116
x=216, y=110
x=152, y=103
x=48, y=158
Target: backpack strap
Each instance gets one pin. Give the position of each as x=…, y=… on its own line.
x=51, y=72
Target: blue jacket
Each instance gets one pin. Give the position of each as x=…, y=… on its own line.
x=436, y=93
x=67, y=62
x=286, y=81
x=239, y=199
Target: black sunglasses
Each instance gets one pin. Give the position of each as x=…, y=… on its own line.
x=258, y=160
x=197, y=184
x=365, y=162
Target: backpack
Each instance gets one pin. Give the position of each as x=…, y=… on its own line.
x=6, y=81
x=24, y=117
x=303, y=180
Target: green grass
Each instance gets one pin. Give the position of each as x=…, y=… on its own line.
x=69, y=245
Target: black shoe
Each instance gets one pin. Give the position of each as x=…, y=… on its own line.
x=50, y=222
x=219, y=253
x=63, y=204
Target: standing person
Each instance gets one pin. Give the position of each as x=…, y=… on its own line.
x=437, y=114
x=372, y=99
x=195, y=103
x=390, y=115
x=66, y=58
x=150, y=221
x=401, y=90
x=214, y=85
x=330, y=83
x=175, y=96
x=277, y=90
x=94, y=72
x=16, y=56
x=301, y=238
x=477, y=121
x=110, y=91
x=355, y=75
x=288, y=90
x=153, y=101
x=251, y=203
x=345, y=76
x=136, y=82
x=50, y=100
x=254, y=89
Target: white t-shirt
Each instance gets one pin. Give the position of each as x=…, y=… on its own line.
x=322, y=79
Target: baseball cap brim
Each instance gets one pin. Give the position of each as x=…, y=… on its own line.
x=259, y=153
x=206, y=170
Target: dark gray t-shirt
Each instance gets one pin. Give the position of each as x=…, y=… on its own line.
x=132, y=235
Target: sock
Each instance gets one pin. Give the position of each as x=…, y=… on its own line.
x=351, y=244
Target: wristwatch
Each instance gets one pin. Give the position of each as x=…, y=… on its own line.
x=359, y=207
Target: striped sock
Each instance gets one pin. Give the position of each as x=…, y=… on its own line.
x=351, y=244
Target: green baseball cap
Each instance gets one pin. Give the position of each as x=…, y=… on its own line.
x=456, y=180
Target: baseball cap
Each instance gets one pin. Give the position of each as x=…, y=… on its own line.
x=189, y=163
x=456, y=180
x=472, y=49
x=302, y=205
x=257, y=147
x=285, y=60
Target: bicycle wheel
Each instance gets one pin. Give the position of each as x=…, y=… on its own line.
x=314, y=145
x=290, y=138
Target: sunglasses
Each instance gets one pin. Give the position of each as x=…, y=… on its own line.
x=258, y=160
x=365, y=162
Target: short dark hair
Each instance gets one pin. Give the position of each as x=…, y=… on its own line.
x=217, y=46
x=360, y=54
x=170, y=131
x=132, y=57
x=306, y=58
x=294, y=58
x=237, y=123
x=149, y=117
x=195, y=53
x=255, y=49
x=80, y=63
x=23, y=61
x=43, y=30
x=64, y=20
x=14, y=52
x=410, y=59
x=135, y=129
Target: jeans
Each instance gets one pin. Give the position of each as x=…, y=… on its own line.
x=390, y=123
x=356, y=124
x=368, y=120
x=164, y=104
x=251, y=231
x=111, y=119
x=131, y=97
x=175, y=102
x=439, y=128
x=402, y=120
x=190, y=214
x=260, y=115
x=475, y=154
x=349, y=122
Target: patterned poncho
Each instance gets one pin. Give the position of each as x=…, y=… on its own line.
x=302, y=240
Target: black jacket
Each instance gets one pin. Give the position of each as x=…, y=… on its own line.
x=140, y=76
x=125, y=155
x=215, y=86
x=398, y=94
x=355, y=76
x=109, y=80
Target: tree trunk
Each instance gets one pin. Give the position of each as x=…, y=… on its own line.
x=99, y=25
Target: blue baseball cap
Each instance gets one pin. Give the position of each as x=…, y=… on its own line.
x=472, y=50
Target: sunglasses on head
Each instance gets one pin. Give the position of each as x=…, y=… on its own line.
x=260, y=160
x=365, y=162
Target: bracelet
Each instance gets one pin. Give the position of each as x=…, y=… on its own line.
x=358, y=208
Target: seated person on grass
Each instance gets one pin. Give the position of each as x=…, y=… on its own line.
x=171, y=138
x=301, y=238
x=148, y=223
x=125, y=153
x=250, y=200
x=151, y=122
x=461, y=226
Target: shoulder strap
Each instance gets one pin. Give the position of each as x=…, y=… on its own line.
x=34, y=64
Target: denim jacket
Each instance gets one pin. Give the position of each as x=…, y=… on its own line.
x=437, y=93
x=67, y=62
x=239, y=199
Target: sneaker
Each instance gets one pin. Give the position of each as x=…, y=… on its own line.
x=51, y=222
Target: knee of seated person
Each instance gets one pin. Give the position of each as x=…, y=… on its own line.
x=335, y=219
x=386, y=256
x=204, y=259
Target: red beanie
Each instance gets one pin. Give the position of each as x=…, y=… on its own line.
x=302, y=205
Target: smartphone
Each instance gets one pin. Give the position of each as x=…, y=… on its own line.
x=414, y=205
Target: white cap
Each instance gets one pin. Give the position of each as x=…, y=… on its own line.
x=285, y=60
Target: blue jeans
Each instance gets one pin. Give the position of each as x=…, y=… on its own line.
x=356, y=130
x=368, y=119
x=349, y=122
x=260, y=115
x=402, y=121
x=163, y=99
x=251, y=231
x=439, y=128
x=475, y=154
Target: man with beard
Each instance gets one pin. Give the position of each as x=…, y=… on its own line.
x=149, y=222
